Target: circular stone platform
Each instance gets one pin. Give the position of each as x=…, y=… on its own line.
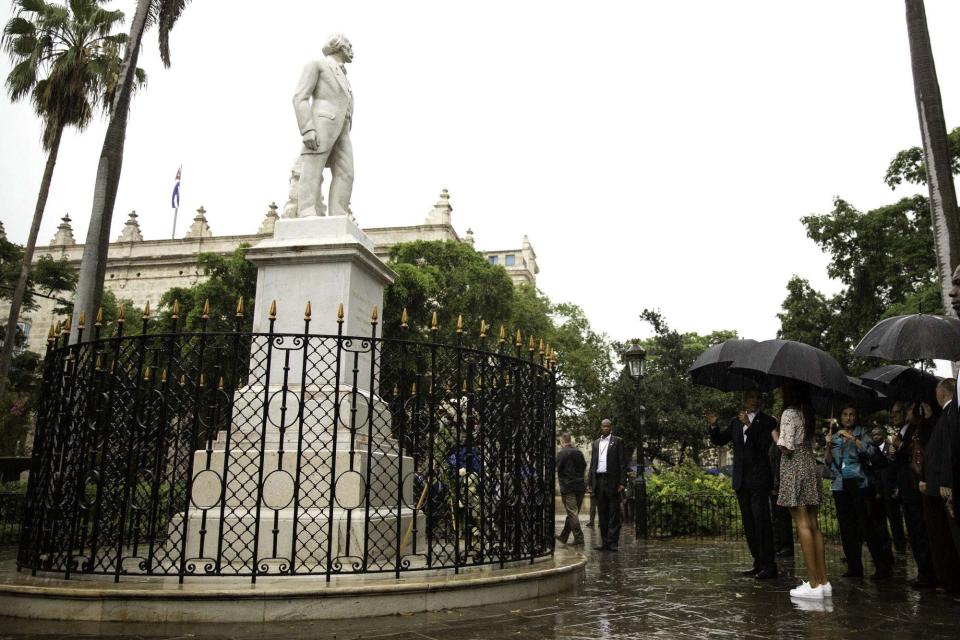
x=272, y=599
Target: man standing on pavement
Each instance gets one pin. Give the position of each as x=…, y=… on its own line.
x=749, y=435
x=608, y=467
x=570, y=468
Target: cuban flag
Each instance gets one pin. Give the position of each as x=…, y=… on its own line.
x=175, y=197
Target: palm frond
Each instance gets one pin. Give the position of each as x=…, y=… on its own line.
x=169, y=11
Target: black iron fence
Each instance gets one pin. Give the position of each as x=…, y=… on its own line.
x=711, y=516
x=251, y=454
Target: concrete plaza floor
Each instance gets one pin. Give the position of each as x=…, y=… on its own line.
x=663, y=588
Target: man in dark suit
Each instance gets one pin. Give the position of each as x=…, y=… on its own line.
x=749, y=434
x=608, y=469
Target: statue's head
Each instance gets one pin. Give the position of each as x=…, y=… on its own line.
x=338, y=43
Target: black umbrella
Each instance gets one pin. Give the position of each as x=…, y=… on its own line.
x=867, y=399
x=775, y=361
x=918, y=336
x=899, y=382
x=711, y=368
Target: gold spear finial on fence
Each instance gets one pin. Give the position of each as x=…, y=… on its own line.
x=273, y=310
x=463, y=386
x=220, y=384
x=163, y=376
x=542, y=351
x=503, y=334
x=175, y=312
x=308, y=312
x=121, y=315
x=82, y=322
x=340, y=312
x=434, y=325
x=460, y=324
x=99, y=320
x=519, y=339
x=98, y=365
x=373, y=315
x=203, y=380
x=146, y=310
x=183, y=379
x=240, y=307
x=404, y=319
x=483, y=329
x=146, y=374
x=413, y=389
x=206, y=309
x=531, y=345
x=68, y=324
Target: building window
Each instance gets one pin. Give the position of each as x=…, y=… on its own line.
x=492, y=259
x=510, y=260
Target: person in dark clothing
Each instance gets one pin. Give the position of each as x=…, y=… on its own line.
x=749, y=436
x=937, y=473
x=887, y=493
x=570, y=467
x=907, y=447
x=782, y=522
x=608, y=468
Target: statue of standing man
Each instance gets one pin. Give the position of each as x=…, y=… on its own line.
x=323, y=103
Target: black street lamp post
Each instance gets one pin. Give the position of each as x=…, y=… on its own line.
x=635, y=357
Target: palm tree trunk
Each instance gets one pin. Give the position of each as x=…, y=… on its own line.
x=93, y=263
x=943, y=195
x=7, y=354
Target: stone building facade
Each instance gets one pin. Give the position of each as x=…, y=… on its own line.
x=142, y=270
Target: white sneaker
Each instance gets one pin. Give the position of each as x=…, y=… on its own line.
x=806, y=591
x=827, y=590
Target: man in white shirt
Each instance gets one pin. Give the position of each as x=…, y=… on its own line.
x=608, y=468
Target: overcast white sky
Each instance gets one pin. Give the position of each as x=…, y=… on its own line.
x=658, y=154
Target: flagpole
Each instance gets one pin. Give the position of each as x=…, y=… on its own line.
x=173, y=233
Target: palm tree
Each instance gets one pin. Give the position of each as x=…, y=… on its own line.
x=65, y=59
x=93, y=263
x=936, y=150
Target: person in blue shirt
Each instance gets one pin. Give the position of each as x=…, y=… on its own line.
x=850, y=446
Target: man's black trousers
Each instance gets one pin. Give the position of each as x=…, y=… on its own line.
x=608, y=510
x=755, y=511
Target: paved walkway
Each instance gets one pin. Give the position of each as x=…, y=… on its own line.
x=670, y=589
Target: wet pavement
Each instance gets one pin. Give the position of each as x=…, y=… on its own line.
x=669, y=588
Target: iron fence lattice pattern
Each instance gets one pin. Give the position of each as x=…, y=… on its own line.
x=271, y=454
x=712, y=516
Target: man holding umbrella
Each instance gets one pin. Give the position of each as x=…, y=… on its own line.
x=749, y=434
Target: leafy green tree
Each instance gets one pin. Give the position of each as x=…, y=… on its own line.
x=884, y=259
x=675, y=429
x=451, y=279
x=909, y=166
x=230, y=278
x=66, y=60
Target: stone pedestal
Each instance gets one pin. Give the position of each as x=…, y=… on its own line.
x=325, y=261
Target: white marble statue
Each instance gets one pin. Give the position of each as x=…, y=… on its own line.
x=323, y=103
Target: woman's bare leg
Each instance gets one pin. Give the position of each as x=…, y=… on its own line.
x=821, y=558
x=804, y=532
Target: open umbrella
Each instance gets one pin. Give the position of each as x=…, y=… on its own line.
x=867, y=399
x=918, y=336
x=900, y=382
x=712, y=367
x=774, y=361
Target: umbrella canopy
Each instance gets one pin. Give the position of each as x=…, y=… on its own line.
x=900, y=382
x=712, y=367
x=867, y=399
x=775, y=361
x=918, y=336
